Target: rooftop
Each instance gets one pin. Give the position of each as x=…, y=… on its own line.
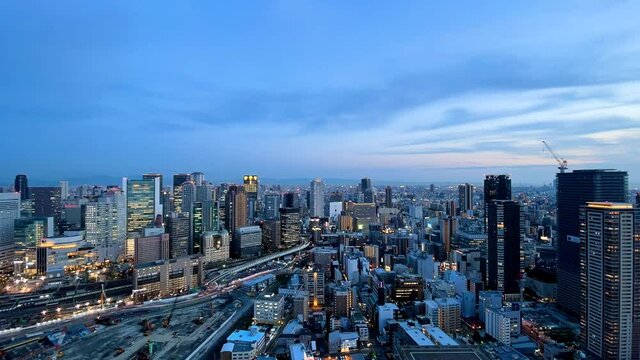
x=245, y=336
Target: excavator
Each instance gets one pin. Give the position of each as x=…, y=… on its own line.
x=166, y=321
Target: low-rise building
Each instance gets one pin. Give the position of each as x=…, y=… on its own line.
x=166, y=277
x=268, y=309
x=243, y=344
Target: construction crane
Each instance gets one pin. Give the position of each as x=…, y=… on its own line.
x=561, y=162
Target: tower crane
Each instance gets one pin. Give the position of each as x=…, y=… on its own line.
x=561, y=162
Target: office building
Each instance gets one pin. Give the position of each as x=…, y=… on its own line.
x=610, y=280
x=197, y=228
x=105, y=224
x=21, y=185
x=503, y=246
x=251, y=188
x=289, y=226
x=497, y=187
x=574, y=190
x=167, y=277
x=488, y=300
x=143, y=203
x=216, y=246
x=235, y=209
x=46, y=201
x=205, y=192
x=198, y=178
x=316, y=206
x=9, y=213
x=188, y=196
x=465, y=197
x=268, y=309
x=56, y=255
x=272, y=206
x=367, y=190
x=290, y=200
x=211, y=215
x=247, y=242
x=388, y=197
x=407, y=289
x=178, y=180
x=179, y=232
x=153, y=177
x=444, y=313
x=29, y=232
x=386, y=312
x=151, y=247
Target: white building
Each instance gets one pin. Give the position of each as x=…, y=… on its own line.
x=342, y=342
x=317, y=198
x=488, y=300
x=386, y=312
x=268, y=309
x=105, y=223
x=335, y=209
x=299, y=352
x=9, y=212
x=243, y=344
x=502, y=324
x=215, y=246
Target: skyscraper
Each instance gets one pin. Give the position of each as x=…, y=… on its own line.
x=271, y=206
x=105, y=224
x=46, y=201
x=289, y=226
x=251, y=187
x=610, y=280
x=153, y=176
x=188, y=196
x=178, y=180
x=316, y=198
x=388, y=197
x=465, y=197
x=143, y=203
x=503, y=246
x=21, y=185
x=198, y=178
x=197, y=227
x=574, y=190
x=9, y=212
x=64, y=190
x=235, y=209
x=497, y=187
x=178, y=229
x=367, y=190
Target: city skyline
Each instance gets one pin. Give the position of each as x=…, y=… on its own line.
x=428, y=93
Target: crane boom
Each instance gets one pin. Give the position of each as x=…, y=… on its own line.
x=563, y=166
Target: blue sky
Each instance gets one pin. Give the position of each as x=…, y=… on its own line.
x=429, y=91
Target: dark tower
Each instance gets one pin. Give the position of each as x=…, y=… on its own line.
x=21, y=185
x=503, y=246
x=575, y=189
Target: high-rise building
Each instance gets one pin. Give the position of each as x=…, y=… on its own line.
x=251, y=188
x=153, y=176
x=271, y=206
x=197, y=228
x=503, y=246
x=179, y=232
x=316, y=197
x=143, y=203
x=198, y=178
x=610, y=280
x=178, y=180
x=497, y=187
x=9, y=212
x=290, y=200
x=289, y=226
x=105, y=224
x=367, y=190
x=342, y=301
x=211, y=215
x=46, y=201
x=64, y=190
x=465, y=197
x=247, y=242
x=29, y=232
x=314, y=281
x=574, y=190
x=235, y=209
x=388, y=197
x=188, y=196
x=205, y=192
x=21, y=185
